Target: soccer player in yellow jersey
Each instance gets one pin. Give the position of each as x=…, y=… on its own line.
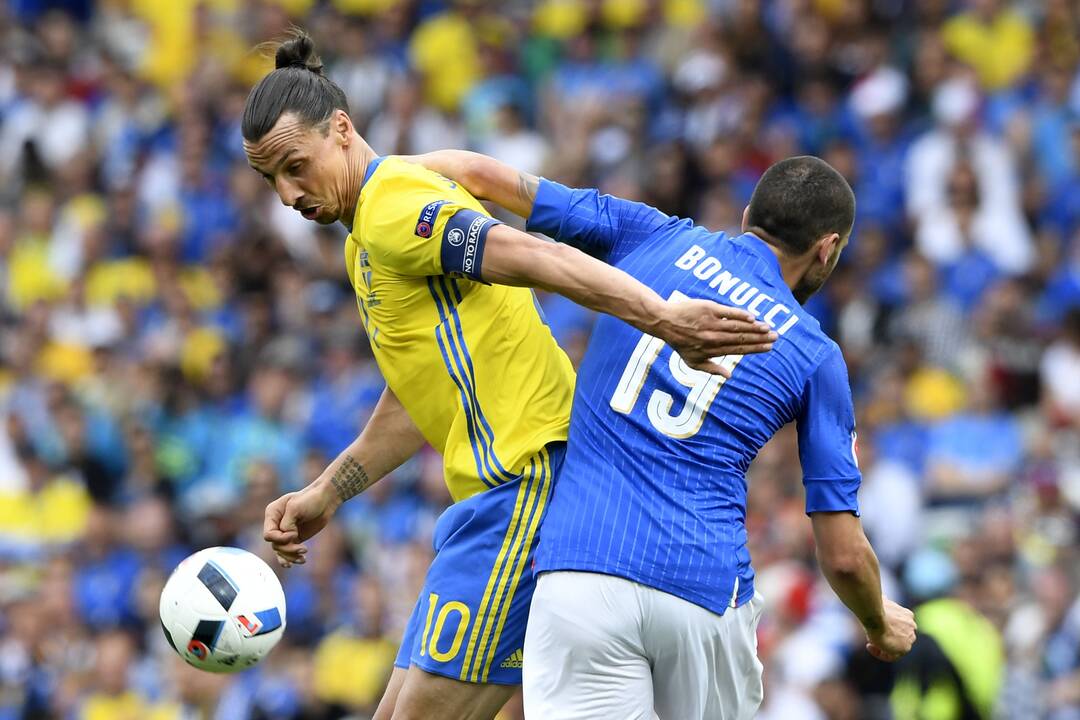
x=470, y=367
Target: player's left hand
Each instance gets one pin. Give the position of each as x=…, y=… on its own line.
x=702, y=331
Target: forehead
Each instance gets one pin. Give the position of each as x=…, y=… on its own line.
x=288, y=133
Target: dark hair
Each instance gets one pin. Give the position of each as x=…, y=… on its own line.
x=799, y=200
x=296, y=85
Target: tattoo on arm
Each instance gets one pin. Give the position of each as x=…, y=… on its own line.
x=350, y=479
x=527, y=187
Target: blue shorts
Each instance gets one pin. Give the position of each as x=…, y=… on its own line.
x=469, y=622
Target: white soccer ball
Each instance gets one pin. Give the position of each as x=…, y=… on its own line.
x=222, y=609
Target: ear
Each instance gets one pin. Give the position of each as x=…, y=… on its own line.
x=745, y=218
x=342, y=127
x=825, y=247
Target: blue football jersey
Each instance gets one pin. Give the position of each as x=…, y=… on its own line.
x=653, y=487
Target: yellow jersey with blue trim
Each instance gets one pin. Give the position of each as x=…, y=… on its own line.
x=473, y=364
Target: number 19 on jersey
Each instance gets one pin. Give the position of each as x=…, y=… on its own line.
x=703, y=387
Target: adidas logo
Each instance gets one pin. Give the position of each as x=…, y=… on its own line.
x=514, y=661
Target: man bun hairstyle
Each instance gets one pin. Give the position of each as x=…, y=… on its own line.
x=800, y=200
x=296, y=85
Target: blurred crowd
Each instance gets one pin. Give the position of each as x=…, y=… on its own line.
x=178, y=348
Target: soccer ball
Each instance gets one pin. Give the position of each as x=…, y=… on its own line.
x=222, y=609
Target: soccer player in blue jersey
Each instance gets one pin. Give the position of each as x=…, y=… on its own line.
x=646, y=599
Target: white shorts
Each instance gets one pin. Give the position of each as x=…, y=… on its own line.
x=600, y=647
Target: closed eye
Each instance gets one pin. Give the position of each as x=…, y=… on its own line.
x=295, y=167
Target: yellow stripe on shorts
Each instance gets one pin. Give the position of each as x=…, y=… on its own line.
x=522, y=554
x=523, y=501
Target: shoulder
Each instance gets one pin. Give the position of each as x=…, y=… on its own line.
x=814, y=356
x=808, y=333
x=396, y=174
x=399, y=194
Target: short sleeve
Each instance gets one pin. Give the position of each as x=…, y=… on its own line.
x=422, y=233
x=827, y=439
x=604, y=226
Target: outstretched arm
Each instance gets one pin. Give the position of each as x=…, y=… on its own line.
x=604, y=226
x=699, y=330
x=388, y=440
x=485, y=178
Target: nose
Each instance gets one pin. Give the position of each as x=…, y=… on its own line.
x=288, y=192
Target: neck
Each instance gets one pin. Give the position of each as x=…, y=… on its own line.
x=360, y=158
x=791, y=268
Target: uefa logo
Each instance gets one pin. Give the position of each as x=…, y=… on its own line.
x=455, y=237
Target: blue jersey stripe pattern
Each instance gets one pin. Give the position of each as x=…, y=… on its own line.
x=654, y=483
x=454, y=367
x=485, y=426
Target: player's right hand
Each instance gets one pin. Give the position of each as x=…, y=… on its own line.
x=897, y=635
x=701, y=330
x=296, y=517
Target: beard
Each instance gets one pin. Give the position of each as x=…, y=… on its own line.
x=814, y=278
x=808, y=285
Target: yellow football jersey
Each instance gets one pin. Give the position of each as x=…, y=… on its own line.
x=473, y=364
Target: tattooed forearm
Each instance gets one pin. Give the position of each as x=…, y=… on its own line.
x=350, y=479
x=527, y=187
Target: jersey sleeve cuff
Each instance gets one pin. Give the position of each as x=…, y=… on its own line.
x=833, y=495
x=463, y=242
x=549, y=208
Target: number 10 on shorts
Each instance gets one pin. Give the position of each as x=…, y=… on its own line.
x=429, y=642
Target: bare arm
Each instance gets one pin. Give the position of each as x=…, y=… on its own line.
x=851, y=567
x=485, y=178
x=388, y=440
x=699, y=330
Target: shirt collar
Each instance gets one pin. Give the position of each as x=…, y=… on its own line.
x=762, y=249
x=371, y=168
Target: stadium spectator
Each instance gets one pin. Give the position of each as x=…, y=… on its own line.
x=994, y=39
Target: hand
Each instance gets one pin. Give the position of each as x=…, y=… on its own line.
x=702, y=330
x=296, y=517
x=896, y=636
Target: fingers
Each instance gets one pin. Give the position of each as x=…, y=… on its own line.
x=739, y=349
x=879, y=653
x=710, y=366
x=288, y=523
x=728, y=326
x=273, y=531
x=290, y=554
x=727, y=341
x=718, y=310
x=731, y=319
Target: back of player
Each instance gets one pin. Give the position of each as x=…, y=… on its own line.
x=653, y=490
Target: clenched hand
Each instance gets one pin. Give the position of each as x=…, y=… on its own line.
x=294, y=518
x=896, y=636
